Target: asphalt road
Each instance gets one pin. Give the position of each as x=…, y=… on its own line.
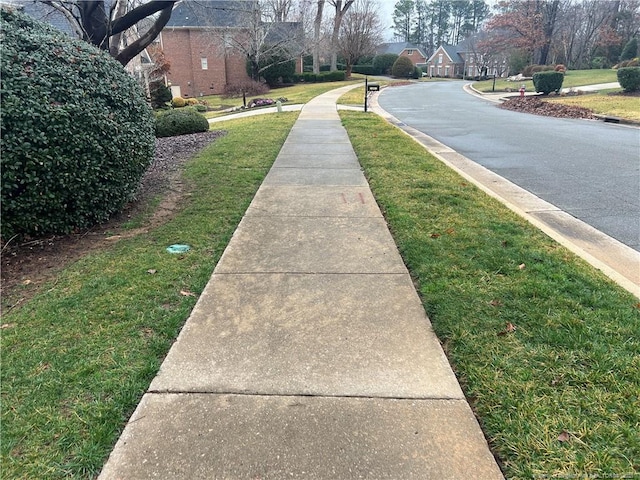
x=589, y=169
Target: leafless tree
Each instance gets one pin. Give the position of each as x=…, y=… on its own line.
x=360, y=33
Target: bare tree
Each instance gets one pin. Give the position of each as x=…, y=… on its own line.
x=341, y=7
x=277, y=10
x=265, y=44
x=106, y=23
x=360, y=33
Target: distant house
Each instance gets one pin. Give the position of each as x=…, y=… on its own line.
x=200, y=43
x=465, y=59
x=404, y=49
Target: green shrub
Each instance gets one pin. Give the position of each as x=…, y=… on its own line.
x=402, y=68
x=77, y=133
x=630, y=50
x=310, y=77
x=629, y=78
x=277, y=70
x=160, y=94
x=363, y=69
x=548, y=81
x=382, y=63
x=180, y=122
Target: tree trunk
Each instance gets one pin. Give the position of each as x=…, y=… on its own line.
x=317, y=24
x=337, y=21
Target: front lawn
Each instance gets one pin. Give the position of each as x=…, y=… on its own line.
x=621, y=106
x=297, y=94
x=547, y=349
x=572, y=78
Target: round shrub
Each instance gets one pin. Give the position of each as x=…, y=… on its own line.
x=548, y=81
x=629, y=78
x=402, y=68
x=77, y=133
x=178, y=102
x=180, y=122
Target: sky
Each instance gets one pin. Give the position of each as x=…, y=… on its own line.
x=386, y=15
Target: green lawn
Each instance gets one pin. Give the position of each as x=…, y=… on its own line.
x=77, y=358
x=546, y=348
x=573, y=78
x=296, y=94
x=604, y=104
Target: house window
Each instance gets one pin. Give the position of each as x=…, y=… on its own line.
x=409, y=52
x=204, y=63
x=440, y=58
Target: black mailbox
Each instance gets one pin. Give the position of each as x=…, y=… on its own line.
x=373, y=87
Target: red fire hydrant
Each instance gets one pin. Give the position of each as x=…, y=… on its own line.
x=522, y=90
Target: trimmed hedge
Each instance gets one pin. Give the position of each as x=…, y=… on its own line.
x=364, y=69
x=77, y=133
x=310, y=77
x=629, y=78
x=547, y=82
x=182, y=121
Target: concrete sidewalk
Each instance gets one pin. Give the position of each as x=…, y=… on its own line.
x=309, y=354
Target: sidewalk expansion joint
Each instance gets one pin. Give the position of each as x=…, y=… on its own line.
x=308, y=395
x=309, y=273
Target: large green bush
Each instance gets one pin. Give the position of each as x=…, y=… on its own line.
x=382, y=63
x=403, y=68
x=629, y=78
x=277, y=69
x=77, y=133
x=547, y=82
x=180, y=122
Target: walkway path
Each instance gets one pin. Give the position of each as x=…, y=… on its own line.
x=309, y=354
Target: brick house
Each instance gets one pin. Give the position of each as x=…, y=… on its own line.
x=452, y=61
x=199, y=42
x=405, y=49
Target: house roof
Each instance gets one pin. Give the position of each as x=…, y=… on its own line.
x=212, y=13
x=398, y=47
x=44, y=13
x=450, y=50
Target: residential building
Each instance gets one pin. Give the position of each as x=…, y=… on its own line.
x=405, y=49
x=206, y=44
x=466, y=59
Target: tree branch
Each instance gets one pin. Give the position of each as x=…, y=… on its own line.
x=143, y=11
x=141, y=43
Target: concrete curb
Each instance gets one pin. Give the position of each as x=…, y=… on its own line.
x=615, y=259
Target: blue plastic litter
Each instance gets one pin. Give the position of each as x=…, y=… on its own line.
x=178, y=248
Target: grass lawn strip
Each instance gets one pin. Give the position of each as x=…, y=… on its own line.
x=545, y=347
x=78, y=357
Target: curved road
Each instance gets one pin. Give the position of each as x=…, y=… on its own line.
x=588, y=169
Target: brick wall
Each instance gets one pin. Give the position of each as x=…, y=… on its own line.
x=185, y=50
x=415, y=56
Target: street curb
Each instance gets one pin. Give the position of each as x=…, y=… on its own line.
x=616, y=260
